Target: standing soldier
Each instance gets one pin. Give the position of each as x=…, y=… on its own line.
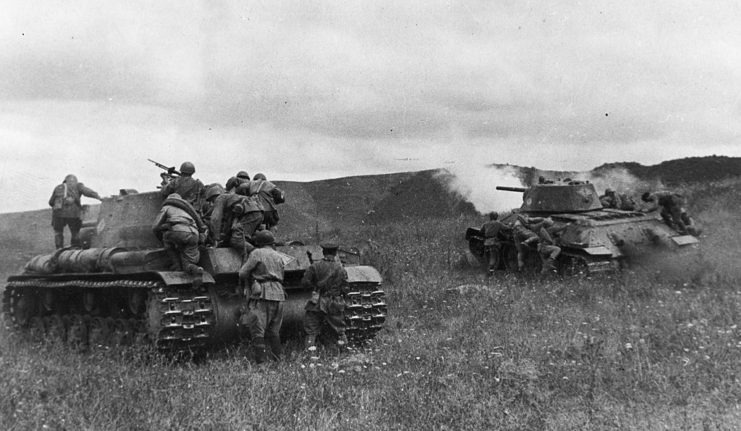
x=181, y=230
x=327, y=280
x=67, y=209
x=269, y=196
x=262, y=275
x=189, y=188
x=492, y=245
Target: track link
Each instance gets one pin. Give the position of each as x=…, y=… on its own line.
x=172, y=319
x=365, y=310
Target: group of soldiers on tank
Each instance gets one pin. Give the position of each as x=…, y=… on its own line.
x=241, y=215
x=541, y=233
x=671, y=207
x=537, y=232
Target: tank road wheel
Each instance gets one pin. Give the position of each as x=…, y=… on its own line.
x=90, y=301
x=56, y=328
x=48, y=300
x=137, y=301
x=37, y=328
x=100, y=331
x=121, y=333
x=77, y=336
x=23, y=308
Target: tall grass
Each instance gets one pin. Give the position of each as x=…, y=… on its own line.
x=642, y=350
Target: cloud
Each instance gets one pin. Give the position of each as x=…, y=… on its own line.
x=314, y=89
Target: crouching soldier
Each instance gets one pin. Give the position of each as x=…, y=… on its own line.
x=262, y=275
x=181, y=230
x=327, y=280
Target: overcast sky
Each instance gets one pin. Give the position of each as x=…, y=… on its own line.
x=309, y=90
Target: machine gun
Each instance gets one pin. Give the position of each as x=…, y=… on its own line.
x=169, y=174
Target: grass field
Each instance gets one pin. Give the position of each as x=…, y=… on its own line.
x=651, y=348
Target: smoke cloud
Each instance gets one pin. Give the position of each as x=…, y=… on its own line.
x=477, y=184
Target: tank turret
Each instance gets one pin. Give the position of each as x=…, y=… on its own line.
x=557, y=197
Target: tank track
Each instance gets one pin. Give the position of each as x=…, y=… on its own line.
x=365, y=311
x=168, y=318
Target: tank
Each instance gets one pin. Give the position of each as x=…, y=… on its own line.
x=118, y=290
x=593, y=239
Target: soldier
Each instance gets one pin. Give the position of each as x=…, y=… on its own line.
x=263, y=278
x=189, y=188
x=67, y=208
x=234, y=221
x=547, y=248
x=269, y=196
x=671, y=207
x=610, y=199
x=492, y=245
x=181, y=230
x=327, y=280
x=213, y=191
x=522, y=237
x=237, y=180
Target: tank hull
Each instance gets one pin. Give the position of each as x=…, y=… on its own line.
x=120, y=290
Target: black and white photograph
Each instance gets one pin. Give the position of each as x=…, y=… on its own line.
x=370, y=215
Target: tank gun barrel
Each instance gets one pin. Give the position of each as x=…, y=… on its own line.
x=512, y=189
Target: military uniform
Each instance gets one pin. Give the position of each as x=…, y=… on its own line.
x=268, y=194
x=234, y=221
x=492, y=245
x=263, y=273
x=181, y=230
x=327, y=279
x=67, y=209
x=189, y=188
x=671, y=206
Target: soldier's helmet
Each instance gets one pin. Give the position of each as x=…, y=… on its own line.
x=264, y=237
x=214, y=190
x=493, y=215
x=70, y=179
x=609, y=192
x=243, y=175
x=187, y=168
x=646, y=197
x=260, y=177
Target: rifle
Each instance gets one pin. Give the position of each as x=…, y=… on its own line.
x=170, y=173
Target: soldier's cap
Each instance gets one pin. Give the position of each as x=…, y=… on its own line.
x=329, y=247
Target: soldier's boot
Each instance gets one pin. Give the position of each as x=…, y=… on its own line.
x=549, y=266
x=197, y=273
x=174, y=259
x=75, y=240
x=276, y=349
x=59, y=240
x=342, y=341
x=258, y=347
x=310, y=345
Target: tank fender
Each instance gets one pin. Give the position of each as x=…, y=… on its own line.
x=683, y=240
x=363, y=274
x=598, y=251
x=180, y=277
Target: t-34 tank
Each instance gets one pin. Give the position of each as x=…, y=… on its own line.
x=593, y=239
x=120, y=290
